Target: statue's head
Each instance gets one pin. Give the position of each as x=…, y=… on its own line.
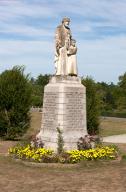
x=66, y=21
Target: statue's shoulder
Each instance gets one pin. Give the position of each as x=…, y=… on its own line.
x=59, y=28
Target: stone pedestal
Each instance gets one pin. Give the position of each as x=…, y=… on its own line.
x=64, y=107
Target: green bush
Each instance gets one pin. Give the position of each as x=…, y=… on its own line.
x=124, y=156
x=15, y=102
x=114, y=114
x=93, y=106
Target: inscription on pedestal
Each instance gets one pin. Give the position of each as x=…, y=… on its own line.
x=49, y=110
x=75, y=108
x=64, y=106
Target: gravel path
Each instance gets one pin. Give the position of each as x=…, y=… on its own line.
x=115, y=139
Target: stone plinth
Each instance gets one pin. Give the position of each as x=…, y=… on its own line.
x=64, y=107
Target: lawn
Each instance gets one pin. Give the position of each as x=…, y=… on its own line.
x=35, y=124
x=90, y=176
x=112, y=126
x=87, y=177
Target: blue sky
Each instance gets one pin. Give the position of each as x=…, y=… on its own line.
x=27, y=29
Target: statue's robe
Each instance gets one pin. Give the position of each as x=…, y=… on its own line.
x=72, y=61
x=63, y=39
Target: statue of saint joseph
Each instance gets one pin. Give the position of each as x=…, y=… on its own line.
x=65, y=50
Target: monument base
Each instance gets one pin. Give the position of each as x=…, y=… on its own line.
x=64, y=107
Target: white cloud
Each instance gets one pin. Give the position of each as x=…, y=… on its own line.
x=15, y=9
x=25, y=30
x=90, y=14
x=111, y=11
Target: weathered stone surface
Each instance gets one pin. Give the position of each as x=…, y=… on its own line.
x=65, y=50
x=64, y=107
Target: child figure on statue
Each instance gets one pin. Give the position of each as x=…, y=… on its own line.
x=72, y=60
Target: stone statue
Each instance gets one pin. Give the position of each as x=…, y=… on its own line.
x=64, y=103
x=65, y=53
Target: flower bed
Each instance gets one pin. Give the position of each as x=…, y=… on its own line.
x=27, y=152
x=93, y=154
x=74, y=156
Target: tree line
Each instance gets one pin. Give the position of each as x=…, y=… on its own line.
x=19, y=92
x=111, y=97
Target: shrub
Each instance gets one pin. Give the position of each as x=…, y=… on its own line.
x=60, y=142
x=15, y=102
x=124, y=156
x=84, y=143
x=93, y=106
x=88, y=142
x=36, y=142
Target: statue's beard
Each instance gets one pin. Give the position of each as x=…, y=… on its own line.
x=66, y=26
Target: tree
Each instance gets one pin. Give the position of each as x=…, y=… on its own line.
x=37, y=95
x=42, y=80
x=122, y=86
x=107, y=93
x=38, y=89
x=122, y=81
x=93, y=106
x=15, y=102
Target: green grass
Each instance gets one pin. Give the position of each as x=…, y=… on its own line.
x=112, y=126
